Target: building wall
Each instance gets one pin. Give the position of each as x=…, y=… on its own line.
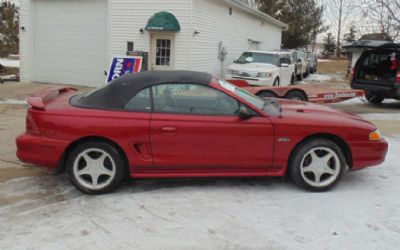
x=127, y=17
x=212, y=19
x=26, y=40
x=196, y=52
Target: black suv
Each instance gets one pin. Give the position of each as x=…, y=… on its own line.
x=377, y=70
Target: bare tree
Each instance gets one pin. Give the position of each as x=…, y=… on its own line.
x=382, y=16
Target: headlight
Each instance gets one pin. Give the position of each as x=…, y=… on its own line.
x=264, y=75
x=375, y=136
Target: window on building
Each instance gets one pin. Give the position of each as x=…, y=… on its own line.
x=163, y=52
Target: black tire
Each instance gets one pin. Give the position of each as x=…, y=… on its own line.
x=266, y=94
x=296, y=95
x=373, y=98
x=292, y=79
x=303, y=177
x=276, y=82
x=300, y=77
x=112, y=162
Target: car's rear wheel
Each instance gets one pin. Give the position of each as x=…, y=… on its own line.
x=296, y=95
x=95, y=167
x=374, y=98
x=317, y=165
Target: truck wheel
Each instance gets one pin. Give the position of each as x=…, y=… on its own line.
x=296, y=95
x=373, y=98
x=300, y=77
x=266, y=94
x=276, y=82
x=292, y=80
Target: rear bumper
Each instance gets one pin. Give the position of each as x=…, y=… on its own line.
x=385, y=91
x=366, y=154
x=40, y=151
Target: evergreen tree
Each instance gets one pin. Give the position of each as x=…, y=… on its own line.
x=351, y=36
x=304, y=18
x=328, y=45
x=9, y=28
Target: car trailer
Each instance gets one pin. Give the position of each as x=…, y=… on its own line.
x=316, y=93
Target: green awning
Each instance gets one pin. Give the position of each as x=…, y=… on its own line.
x=163, y=21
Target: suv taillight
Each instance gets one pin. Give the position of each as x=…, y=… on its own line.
x=31, y=127
x=398, y=76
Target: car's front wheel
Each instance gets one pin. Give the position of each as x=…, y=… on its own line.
x=95, y=167
x=317, y=165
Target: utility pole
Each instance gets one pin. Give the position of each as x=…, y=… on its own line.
x=339, y=28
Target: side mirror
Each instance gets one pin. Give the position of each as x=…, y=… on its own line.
x=245, y=113
x=284, y=65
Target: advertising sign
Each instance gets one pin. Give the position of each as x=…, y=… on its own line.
x=121, y=65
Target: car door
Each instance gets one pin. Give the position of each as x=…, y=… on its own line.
x=197, y=126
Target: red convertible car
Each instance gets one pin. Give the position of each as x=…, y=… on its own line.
x=189, y=124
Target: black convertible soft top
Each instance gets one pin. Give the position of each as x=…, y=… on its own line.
x=121, y=90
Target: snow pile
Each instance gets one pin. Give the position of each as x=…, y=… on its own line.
x=362, y=212
x=13, y=101
x=9, y=63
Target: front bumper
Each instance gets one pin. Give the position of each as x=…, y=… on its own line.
x=366, y=154
x=252, y=81
x=40, y=151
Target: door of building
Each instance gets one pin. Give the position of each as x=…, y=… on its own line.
x=162, y=51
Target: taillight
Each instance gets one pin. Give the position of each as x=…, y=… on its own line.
x=398, y=76
x=353, y=73
x=31, y=127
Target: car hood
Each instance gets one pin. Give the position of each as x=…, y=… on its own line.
x=317, y=112
x=252, y=66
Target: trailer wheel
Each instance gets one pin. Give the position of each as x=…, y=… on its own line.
x=266, y=94
x=296, y=95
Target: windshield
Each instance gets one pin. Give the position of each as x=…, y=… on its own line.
x=271, y=106
x=254, y=57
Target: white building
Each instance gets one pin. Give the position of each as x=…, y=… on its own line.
x=73, y=41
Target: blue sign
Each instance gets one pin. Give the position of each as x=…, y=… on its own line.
x=121, y=65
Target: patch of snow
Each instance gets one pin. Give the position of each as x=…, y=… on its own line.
x=9, y=62
x=319, y=77
x=362, y=212
x=13, y=101
x=381, y=116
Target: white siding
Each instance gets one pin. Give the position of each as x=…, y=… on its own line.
x=127, y=17
x=211, y=18
x=25, y=40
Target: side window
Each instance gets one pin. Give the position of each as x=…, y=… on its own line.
x=140, y=102
x=285, y=59
x=192, y=99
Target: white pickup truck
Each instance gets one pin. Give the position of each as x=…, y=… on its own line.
x=263, y=68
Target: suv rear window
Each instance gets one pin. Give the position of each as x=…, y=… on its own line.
x=376, y=66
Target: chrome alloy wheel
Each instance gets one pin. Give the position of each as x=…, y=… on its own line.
x=94, y=168
x=320, y=167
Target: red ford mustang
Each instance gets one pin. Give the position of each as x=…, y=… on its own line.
x=189, y=124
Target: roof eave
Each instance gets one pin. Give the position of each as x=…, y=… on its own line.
x=259, y=14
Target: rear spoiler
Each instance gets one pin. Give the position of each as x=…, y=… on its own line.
x=38, y=100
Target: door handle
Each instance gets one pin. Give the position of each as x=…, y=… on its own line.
x=168, y=129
